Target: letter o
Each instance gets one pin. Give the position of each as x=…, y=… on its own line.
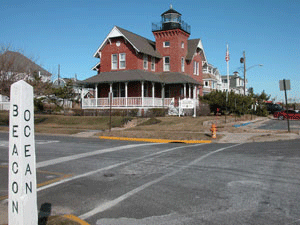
x=15, y=187
x=27, y=115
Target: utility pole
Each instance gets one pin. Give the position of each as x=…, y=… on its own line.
x=244, y=54
x=243, y=60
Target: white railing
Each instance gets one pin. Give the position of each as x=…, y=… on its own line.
x=4, y=106
x=123, y=102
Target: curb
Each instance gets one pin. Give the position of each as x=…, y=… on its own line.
x=75, y=219
x=156, y=140
x=68, y=219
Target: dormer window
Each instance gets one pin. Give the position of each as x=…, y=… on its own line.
x=166, y=44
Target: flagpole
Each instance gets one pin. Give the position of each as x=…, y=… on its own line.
x=227, y=60
x=227, y=93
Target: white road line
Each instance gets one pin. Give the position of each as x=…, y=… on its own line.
x=112, y=203
x=38, y=142
x=87, y=154
x=110, y=167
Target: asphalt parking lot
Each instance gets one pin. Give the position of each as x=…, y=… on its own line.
x=118, y=182
x=276, y=124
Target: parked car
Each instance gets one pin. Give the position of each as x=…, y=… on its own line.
x=291, y=114
x=273, y=107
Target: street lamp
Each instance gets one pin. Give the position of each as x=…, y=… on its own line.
x=243, y=60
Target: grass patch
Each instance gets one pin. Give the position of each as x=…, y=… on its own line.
x=150, y=121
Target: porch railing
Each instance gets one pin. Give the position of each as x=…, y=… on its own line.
x=123, y=102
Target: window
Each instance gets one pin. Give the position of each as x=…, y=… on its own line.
x=182, y=44
x=122, y=63
x=206, y=83
x=196, y=68
x=182, y=64
x=166, y=44
x=167, y=63
x=152, y=63
x=145, y=62
x=114, y=61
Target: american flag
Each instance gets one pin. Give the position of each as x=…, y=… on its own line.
x=227, y=58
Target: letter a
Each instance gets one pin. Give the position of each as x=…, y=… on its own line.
x=15, y=150
x=28, y=169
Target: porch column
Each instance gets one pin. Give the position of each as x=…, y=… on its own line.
x=195, y=98
x=184, y=90
x=96, y=97
x=195, y=92
x=142, y=93
x=82, y=97
x=126, y=94
x=163, y=94
x=110, y=91
x=153, y=93
x=190, y=91
x=110, y=87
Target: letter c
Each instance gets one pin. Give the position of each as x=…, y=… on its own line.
x=14, y=169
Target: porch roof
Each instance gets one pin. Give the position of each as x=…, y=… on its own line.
x=139, y=75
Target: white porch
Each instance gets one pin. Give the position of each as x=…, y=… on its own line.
x=126, y=102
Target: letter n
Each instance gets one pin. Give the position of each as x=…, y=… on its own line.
x=15, y=207
x=29, y=188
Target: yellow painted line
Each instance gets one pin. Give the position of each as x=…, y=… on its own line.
x=53, y=180
x=155, y=140
x=62, y=176
x=75, y=219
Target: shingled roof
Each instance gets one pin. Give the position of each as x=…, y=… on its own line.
x=193, y=44
x=18, y=63
x=139, y=75
x=141, y=44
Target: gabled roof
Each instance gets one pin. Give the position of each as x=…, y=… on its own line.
x=139, y=43
x=208, y=76
x=193, y=45
x=139, y=75
x=18, y=63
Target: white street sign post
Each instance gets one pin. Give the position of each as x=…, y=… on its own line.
x=22, y=206
x=285, y=85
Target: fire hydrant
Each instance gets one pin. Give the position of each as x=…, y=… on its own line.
x=213, y=130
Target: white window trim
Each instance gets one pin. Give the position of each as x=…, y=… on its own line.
x=145, y=59
x=182, y=64
x=166, y=63
x=112, y=62
x=153, y=63
x=167, y=46
x=182, y=44
x=121, y=61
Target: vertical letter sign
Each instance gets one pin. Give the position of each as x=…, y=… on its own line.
x=22, y=207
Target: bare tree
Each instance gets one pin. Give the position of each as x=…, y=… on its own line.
x=15, y=66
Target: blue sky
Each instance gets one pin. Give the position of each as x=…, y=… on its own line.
x=68, y=32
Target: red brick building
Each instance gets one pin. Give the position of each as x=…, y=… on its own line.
x=144, y=74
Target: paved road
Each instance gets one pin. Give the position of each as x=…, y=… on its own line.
x=115, y=182
x=276, y=124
